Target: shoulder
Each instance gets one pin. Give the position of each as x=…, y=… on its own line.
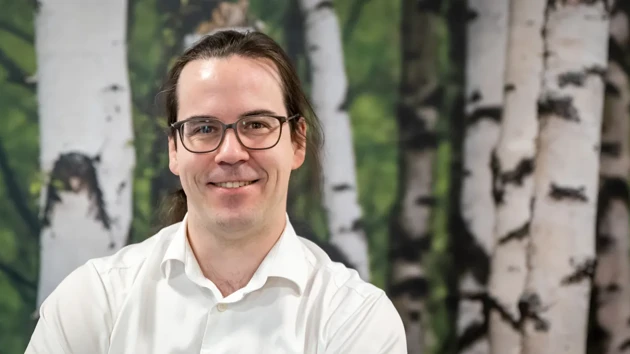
x=107, y=278
x=353, y=309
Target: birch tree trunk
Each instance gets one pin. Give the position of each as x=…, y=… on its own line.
x=612, y=276
x=329, y=93
x=513, y=167
x=86, y=134
x=418, y=112
x=486, y=49
x=555, y=305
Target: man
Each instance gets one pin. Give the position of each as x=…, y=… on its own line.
x=232, y=276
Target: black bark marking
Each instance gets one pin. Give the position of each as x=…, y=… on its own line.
x=553, y=3
x=612, y=288
x=414, y=133
x=509, y=88
x=612, y=90
x=478, y=329
x=345, y=103
x=559, y=106
x=471, y=14
x=117, y=109
x=415, y=316
x=357, y=225
x=492, y=113
x=305, y=230
x=611, y=188
x=498, y=187
x=121, y=187
x=313, y=48
x=326, y=4
x=416, y=287
x=411, y=250
x=471, y=334
x=114, y=87
x=624, y=345
x=342, y=187
x=558, y=193
x=429, y=6
x=585, y=270
x=469, y=255
x=75, y=172
x=516, y=176
x=617, y=54
x=611, y=149
x=108, y=118
x=604, y=243
x=577, y=78
x=428, y=201
x=493, y=304
x=475, y=96
x=529, y=305
x=517, y=234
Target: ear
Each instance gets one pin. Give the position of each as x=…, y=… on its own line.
x=299, y=147
x=172, y=156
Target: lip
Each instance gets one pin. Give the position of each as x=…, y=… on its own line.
x=213, y=186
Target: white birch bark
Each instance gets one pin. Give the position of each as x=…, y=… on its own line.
x=86, y=134
x=486, y=48
x=329, y=91
x=514, y=173
x=562, y=259
x=418, y=113
x=612, y=276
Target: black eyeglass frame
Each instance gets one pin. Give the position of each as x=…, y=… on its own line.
x=224, y=127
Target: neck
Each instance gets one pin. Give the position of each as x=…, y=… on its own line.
x=227, y=261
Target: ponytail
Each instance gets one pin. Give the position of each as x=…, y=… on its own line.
x=174, y=208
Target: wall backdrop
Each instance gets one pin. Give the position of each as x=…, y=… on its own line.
x=475, y=163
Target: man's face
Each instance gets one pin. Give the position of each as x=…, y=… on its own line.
x=228, y=88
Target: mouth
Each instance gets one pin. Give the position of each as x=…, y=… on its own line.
x=234, y=184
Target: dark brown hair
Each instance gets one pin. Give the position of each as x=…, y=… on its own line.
x=255, y=45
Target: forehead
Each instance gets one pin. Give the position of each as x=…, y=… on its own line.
x=229, y=87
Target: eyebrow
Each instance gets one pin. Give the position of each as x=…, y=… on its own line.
x=256, y=112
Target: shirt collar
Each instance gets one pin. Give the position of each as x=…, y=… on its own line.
x=286, y=259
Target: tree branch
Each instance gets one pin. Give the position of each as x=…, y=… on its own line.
x=15, y=74
x=24, y=286
x=10, y=28
x=16, y=194
x=353, y=19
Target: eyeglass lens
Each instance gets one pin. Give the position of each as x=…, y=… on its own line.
x=259, y=132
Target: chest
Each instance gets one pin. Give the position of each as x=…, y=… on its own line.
x=188, y=320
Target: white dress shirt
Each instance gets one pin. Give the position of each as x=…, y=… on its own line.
x=152, y=298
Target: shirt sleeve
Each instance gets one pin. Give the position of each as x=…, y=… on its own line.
x=375, y=327
x=75, y=318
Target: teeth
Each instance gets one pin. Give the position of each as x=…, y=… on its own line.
x=233, y=184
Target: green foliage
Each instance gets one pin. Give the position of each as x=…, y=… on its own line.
x=19, y=140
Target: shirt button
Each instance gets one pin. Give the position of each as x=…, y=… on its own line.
x=222, y=307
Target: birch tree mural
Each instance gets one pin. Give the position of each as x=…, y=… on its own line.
x=513, y=168
x=486, y=49
x=612, y=276
x=86, y=134
x=418, y=112
x=562, y=259
x=329, y=91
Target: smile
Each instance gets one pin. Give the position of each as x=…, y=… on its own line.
x=233, y=184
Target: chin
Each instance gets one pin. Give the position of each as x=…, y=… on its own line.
x=235, y=220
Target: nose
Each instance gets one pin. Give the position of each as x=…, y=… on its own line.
x=231, y=151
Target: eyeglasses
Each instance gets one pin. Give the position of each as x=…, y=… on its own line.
x=202, y=134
